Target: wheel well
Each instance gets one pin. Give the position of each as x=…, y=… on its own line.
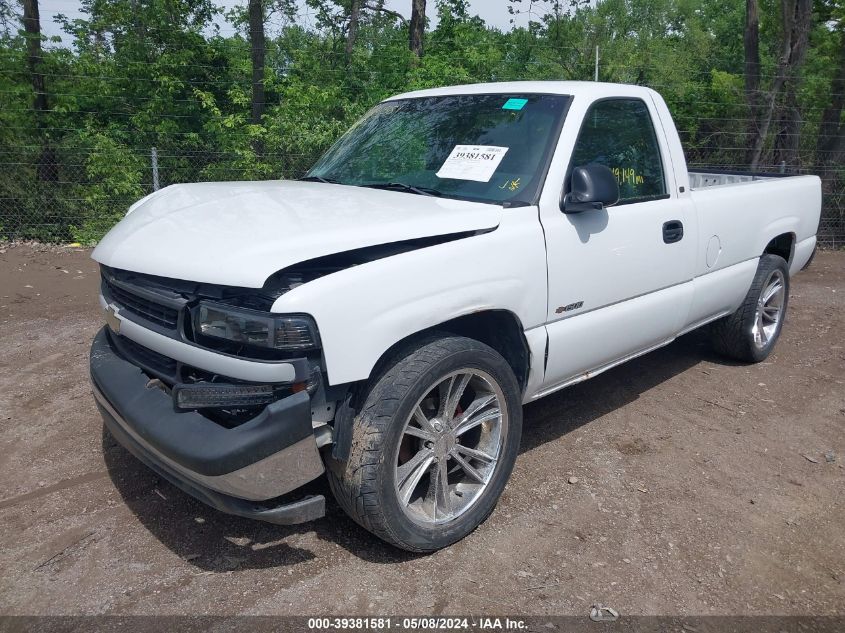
x=782, y=245
x=500, y=329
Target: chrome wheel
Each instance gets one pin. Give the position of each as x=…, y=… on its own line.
x=769, y=310
x=450, y=446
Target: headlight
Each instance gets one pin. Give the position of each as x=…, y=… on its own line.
x=251, y=327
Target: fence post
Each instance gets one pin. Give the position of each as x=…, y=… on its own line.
x=154, y=159
x=596, y=76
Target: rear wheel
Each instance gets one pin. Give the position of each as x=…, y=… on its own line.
x=433, y=445
x=750, y=333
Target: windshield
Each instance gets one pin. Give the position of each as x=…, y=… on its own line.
x=487, y=148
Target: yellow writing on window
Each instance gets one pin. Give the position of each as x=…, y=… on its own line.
x=512, y=185
x=627, y=176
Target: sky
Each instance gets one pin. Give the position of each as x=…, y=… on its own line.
x=494, y=12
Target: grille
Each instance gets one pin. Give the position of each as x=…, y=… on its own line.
x=157, y=313
x=148, y=359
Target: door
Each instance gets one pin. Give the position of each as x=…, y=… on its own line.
x=618, y=277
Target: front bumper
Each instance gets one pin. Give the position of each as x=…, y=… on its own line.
x=239, y=470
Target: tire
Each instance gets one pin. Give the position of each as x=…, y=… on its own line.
x=750, y=333
x=401, y=434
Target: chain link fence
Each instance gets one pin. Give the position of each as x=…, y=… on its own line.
x=87, y=190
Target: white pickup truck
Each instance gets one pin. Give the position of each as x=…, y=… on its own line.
x=459, y=252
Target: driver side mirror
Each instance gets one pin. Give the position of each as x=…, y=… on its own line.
x=592, y=187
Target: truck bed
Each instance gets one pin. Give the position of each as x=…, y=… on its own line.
x=701, y=178
x=738, y=213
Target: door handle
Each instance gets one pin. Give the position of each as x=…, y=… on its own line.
x=673, y=231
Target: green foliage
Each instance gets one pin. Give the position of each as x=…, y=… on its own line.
x=111, y=181
x=158, y=74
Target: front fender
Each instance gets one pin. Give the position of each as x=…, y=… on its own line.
x=364, y=310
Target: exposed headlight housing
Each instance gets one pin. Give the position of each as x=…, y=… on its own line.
x=290, y=332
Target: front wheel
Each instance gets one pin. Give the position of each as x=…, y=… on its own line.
x=433, y=444
x=750, y=333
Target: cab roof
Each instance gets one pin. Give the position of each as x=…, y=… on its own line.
x=591, y=89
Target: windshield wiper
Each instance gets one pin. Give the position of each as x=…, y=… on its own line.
x=330, y=181
x=401, y=186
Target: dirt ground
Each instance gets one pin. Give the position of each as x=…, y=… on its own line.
x=703, y=487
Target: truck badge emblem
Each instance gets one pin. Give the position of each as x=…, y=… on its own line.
x=112, y=320
x=571, y=306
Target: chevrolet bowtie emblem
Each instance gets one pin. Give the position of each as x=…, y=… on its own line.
x=112, y=320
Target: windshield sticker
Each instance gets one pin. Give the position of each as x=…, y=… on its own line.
x=514, y=104
x=472, y=162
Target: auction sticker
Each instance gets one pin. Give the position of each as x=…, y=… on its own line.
x=472, y=162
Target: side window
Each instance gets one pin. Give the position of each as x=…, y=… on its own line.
x=619, y=134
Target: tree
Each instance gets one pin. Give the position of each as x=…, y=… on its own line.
x=751, y=42
x=345, y=18
x=47, y=169
x=257, y=47
x=7, y=17
x=32, y=27
x=796, y=16
x=352, y=29
x=417, y=27
x=830, y=144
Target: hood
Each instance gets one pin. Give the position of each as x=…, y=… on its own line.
x=240, y=233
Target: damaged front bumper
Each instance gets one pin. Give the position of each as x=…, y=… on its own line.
x=240, y=470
